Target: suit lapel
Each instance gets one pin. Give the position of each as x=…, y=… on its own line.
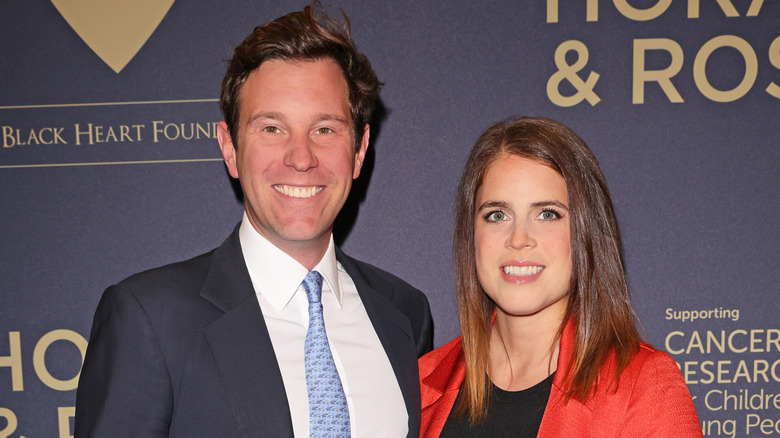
x=245, y=357
x=394, y=332
x=242, y=348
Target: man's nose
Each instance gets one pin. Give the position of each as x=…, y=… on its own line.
x=300, y=153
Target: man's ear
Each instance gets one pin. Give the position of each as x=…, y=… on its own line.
x=360, y=155
x=228, y=148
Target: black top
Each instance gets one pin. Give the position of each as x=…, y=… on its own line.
x=510, y=413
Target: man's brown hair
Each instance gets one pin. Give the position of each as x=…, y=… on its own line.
x=307, y=35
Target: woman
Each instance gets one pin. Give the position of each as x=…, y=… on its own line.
x=549, y=345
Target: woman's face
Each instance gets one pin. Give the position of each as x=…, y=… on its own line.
x=522, y=238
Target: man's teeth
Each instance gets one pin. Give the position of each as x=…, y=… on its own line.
x=522, y=271
x=298, y=192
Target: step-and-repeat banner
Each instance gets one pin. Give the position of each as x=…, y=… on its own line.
x=109, y=165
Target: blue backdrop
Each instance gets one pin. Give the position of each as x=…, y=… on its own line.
x=109, y=165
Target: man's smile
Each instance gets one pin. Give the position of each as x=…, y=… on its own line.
x=297, y=192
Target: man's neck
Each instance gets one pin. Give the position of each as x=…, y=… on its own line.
x=306, y=252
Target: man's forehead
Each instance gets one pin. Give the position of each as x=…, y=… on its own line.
x=275, y=74
x=320, y=64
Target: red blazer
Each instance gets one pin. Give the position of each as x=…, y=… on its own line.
x=651, y=399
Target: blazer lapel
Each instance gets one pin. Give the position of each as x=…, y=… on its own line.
x=571, y=418
x=565, y=419
x=242, y=347
x=394, y=332
x=441, y=375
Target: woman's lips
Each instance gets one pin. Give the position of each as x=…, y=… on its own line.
x=522, y=272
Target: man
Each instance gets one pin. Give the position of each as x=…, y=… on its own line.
x=218, y=346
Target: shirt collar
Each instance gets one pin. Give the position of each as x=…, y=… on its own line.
x=276, y=275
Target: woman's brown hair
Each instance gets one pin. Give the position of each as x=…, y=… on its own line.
x=598, y=301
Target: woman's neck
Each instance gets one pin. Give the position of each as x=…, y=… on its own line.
x=523, y=350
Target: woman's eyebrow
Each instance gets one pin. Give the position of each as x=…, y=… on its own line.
x=493, y=204
x=542, y=204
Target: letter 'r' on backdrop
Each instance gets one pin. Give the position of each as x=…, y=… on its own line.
x=109, y=165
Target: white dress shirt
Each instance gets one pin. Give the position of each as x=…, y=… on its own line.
x=376, y=405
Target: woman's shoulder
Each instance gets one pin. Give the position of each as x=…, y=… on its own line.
x=652, y=375
x=651, y=395
x=649, y=360
x=657, y=396
x=443, y=363
x=436, y=355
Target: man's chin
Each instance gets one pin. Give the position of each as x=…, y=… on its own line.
x=303, y=234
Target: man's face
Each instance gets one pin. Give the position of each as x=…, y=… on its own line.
x=296, y=155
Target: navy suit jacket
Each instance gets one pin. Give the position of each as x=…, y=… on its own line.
x=183, y=351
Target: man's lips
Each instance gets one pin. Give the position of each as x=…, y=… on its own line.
x=297, y=191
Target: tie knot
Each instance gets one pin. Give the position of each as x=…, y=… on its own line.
x=312, y=284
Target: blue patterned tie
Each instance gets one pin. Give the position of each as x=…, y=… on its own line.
x=328, y=411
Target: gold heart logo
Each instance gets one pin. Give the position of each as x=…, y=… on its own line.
x=114, y=29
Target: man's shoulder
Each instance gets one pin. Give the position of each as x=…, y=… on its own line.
x=385, y=288
x=179, y=275
x=168, y=298
x=376, y=277
x=187, y=277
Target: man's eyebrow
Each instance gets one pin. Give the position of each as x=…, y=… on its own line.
x=267, y=115
x=270, y=115
x=325, y=117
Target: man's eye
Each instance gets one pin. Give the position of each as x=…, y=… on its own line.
x=324, y=131
x=271, y=129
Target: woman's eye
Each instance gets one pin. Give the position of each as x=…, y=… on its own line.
x=496, y=216
x=549, y=215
